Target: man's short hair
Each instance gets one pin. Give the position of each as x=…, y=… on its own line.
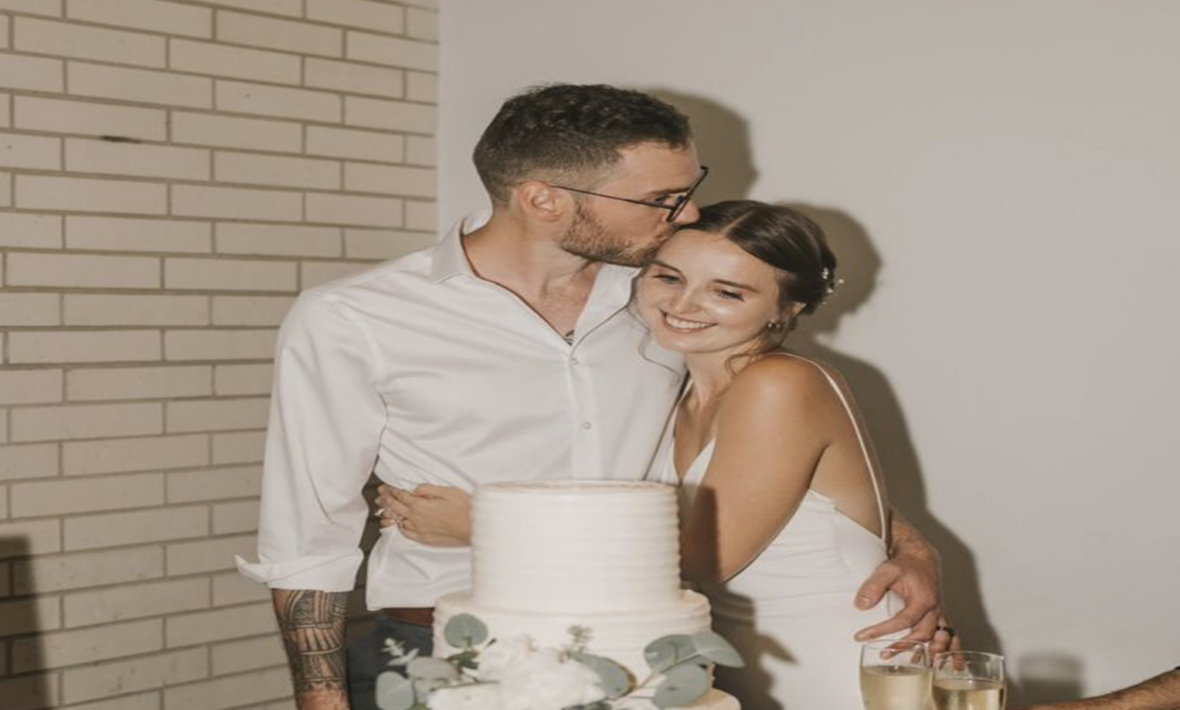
x=566, y=131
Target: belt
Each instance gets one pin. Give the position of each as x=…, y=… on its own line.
x=414, y=616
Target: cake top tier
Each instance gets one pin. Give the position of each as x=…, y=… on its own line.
x=576, y=545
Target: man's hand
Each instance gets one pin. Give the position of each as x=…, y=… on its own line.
x=439, y=516
x=313, y=624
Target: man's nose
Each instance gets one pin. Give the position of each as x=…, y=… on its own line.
x=689, y=214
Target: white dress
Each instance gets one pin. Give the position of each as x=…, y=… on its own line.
x=790, y=612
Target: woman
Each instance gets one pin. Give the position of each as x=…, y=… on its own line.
x=784, y=514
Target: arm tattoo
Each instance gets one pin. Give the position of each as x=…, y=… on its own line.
x=312, y=624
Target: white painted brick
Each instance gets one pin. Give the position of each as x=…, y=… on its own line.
x=278, y=101
x=374, y=16
x=30, y=538
x=33, y=7
x=31, y=692
x=390, y=115
x=89, y=118
x=5, y=198
x=3, y=414
x=277, y=171
x=250, y=310
x=86, y=421
x=238, y=447
x=135, y=527
x=363, y=145
x=236, y=62
x=217, y=415
x=3, y=503
x=286, y=35
x=421, y=150
x=232, y=588
x=28, y=461
x=422, y=24
x=354, y=210
x=30, y=386
x=134, y=601
x=230, y=691
x=91, y=156
x=67, y=648
x=33, y=152
x=83, y=271
x=294, y=8
x=146, y=454
x=156, y=235
x=247, y=655
x=215, y=484
x=78, y=495
x=220, y=624
x=31, y=73
x=232, y=380
x=219, y=344
x=173, y=18
x=113, y=309
x=32, y=231
x=421, y=215
x=83, y=42
x=88, y=569
x=29, y=616
x=353, y=78
x=37, y=192
x=314, y=273
x=4, y=40
x=236, y=203
x=278, y=240
x=25, y=309
x=139, y=383
x=84, y=346
x=390, y=179
x=384, y=243
x=240, y=516
x=5, y=110
x=229, y=275
x=235, y=132
x=422, y=87
x=208, y=555
x=144, y=86
x=107, y=679
x=147, y=701
x=393, y=51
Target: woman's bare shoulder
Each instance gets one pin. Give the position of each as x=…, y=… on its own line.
x=784, y=375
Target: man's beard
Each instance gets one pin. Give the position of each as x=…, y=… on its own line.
x=589, y=239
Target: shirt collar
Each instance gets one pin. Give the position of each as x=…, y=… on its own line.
x=449, y=257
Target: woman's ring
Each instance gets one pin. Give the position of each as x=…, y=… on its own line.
x=950, y=630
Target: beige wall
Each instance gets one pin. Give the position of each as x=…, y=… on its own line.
x=171, y=175
x=1001, y=180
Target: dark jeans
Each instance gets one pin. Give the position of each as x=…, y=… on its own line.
x=367, y=657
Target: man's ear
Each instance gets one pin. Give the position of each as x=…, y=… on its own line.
x=542, y=202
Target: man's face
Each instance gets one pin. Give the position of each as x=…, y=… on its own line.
x=625, y=233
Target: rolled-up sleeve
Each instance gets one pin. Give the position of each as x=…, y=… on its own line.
x=326, y=420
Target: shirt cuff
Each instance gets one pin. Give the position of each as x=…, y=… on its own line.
x=325, y=573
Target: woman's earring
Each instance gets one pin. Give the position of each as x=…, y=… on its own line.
x=775, y=325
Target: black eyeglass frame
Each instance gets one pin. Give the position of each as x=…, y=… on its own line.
x=674, y=209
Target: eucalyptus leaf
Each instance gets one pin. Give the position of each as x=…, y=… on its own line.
x=429, y=668
x=468, y=659
x=465, y=631
x=615, y=680
x=683, y=685
x=394, y=692
x=667, y=651
x=715, y=648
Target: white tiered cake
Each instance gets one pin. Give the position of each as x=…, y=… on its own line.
x=603, y=555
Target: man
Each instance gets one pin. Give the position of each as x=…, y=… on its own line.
x=505, y=352
x=1159, y=693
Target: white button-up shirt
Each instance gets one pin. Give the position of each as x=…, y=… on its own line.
x=422, y=372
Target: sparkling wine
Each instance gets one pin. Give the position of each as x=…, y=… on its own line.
x=895, y=687
x=968, y=694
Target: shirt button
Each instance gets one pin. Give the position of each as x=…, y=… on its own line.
x=585, y=425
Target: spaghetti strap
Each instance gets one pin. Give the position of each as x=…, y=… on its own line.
x=864, y=448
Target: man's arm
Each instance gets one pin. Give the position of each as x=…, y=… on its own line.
x=1159, y=693
x=313, y=628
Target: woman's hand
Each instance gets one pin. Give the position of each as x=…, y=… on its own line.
x=439, y=516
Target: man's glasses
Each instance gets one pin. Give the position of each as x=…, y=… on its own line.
x=678, y=201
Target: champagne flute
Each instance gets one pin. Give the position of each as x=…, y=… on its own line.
x=969, y=680
x=895, y=675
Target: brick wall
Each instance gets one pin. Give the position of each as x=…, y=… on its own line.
x=171, y=175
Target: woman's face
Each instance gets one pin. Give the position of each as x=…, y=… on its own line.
x=704, y=294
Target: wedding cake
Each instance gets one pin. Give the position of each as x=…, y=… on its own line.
x=599, y=555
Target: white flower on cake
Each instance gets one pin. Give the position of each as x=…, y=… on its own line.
x=497, y=658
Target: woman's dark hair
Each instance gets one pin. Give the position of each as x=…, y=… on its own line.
x=782, y=237
x=565, y=130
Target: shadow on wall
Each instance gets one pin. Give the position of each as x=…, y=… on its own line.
x=21, y=683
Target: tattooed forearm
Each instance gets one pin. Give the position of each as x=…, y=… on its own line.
x=313, y=624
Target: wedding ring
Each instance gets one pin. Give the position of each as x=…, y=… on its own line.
x=379, y=513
